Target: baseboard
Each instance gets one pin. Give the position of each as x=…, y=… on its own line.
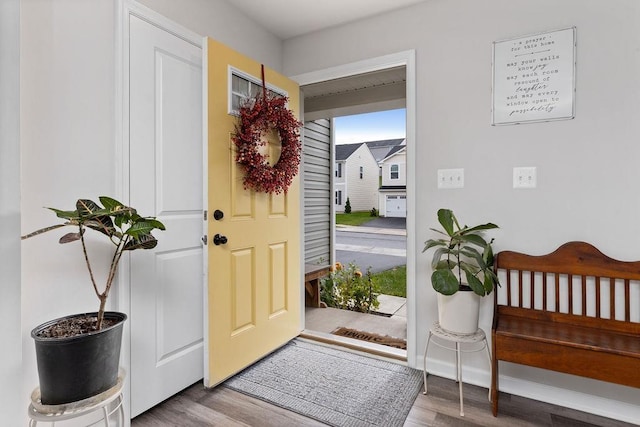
x=584, y=402
x=609, y=408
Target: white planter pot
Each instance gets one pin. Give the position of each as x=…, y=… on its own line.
x=458, y=313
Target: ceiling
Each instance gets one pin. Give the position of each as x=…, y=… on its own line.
x=291, y=18
x=361, y=93
x=348, y=84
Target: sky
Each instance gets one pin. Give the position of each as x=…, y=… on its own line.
x=370, y=126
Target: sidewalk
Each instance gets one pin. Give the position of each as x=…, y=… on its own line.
x=371, y=250
x=373, y=230
x=392, y=306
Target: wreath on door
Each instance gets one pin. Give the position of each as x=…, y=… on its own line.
x=261, y=115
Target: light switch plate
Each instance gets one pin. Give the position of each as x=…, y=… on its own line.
x=450, y=178
x=525, y=177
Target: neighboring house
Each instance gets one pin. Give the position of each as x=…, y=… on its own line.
x=356, y=177
x=381, y=149
x=392, y=197
x=392, y=194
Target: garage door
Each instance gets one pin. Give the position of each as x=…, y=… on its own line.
x=396, y=206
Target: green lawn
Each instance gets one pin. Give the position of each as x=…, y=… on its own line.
x=353, y=218
x=392, y=282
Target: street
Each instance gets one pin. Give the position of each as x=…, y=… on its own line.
x=374, y=248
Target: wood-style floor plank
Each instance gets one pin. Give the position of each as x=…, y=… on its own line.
x=221, y=406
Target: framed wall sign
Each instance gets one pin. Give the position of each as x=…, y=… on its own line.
x=534, y=78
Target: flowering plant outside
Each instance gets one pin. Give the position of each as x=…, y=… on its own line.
x=261, y=115
x=348, y=289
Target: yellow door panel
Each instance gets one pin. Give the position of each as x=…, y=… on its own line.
x=253, y=285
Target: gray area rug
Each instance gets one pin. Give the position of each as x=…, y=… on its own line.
x=332, y=386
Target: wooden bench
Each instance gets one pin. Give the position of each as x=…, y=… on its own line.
x=580, y=321
x=312, y=275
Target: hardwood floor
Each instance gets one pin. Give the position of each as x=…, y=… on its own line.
x=197, y=406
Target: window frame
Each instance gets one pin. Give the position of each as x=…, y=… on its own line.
x=397, y=172
x=233, y=71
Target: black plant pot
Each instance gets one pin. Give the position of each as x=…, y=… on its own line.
x=75, y=368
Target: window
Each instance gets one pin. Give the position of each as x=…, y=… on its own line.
x=395, y=172
x=338, y=197
x=243, y=87
x=361, y=172
x=338, y=170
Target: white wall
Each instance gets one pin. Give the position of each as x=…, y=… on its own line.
x=218, y=20
x=11, y=406
x=587, y=167
x=67, y=148
x=67, y=143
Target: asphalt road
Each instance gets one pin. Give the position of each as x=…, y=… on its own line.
x=367, y=249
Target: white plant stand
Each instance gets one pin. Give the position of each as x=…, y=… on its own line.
x=108, y=402
x=479, y=341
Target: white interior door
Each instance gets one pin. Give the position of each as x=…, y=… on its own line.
x=166, y=180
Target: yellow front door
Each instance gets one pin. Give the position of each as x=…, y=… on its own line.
x=253, y=278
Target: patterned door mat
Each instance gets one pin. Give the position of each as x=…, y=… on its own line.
x=371, y=337
x=336, y=387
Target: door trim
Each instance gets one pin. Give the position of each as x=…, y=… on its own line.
x=408, y=59
x=124, y=9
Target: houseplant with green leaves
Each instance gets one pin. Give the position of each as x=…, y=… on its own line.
x=462, y=261
x=78, y=355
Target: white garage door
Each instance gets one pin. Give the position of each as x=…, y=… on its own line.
x=396, y=206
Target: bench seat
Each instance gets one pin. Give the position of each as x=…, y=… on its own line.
x=583, y=341
x=598, y=354
x=546, y=331
x=313, y=273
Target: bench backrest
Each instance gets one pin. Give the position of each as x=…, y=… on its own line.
x=576, y=283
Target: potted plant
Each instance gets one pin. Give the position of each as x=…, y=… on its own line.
x=462, y=272
x=78, y=355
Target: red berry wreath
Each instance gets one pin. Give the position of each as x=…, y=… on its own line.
x=257, y=118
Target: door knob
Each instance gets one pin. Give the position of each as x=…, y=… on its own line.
x=219, y=239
